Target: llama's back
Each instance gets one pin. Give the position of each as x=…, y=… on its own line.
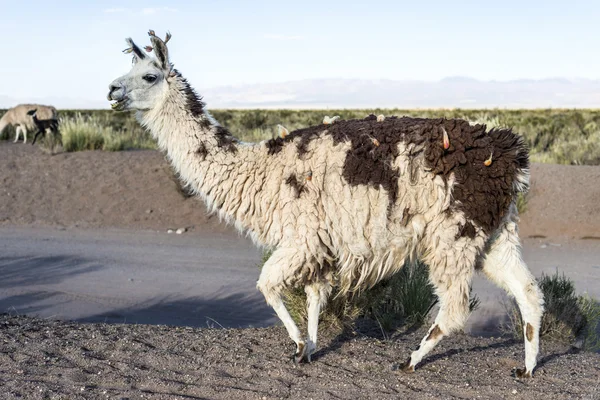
x=399, y=157
x=43, y=111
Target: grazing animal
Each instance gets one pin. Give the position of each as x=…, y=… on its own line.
x=42, y=125
x=347, y=203
x=22, y=122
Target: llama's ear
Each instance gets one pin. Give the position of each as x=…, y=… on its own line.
x=137, y=52
x=160, y=49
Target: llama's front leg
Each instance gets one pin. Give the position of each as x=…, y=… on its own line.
x=453, y=293
x=277, y=273
x=316, y=298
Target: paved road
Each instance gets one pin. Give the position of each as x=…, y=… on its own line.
x=127, y=276
x=192, y=279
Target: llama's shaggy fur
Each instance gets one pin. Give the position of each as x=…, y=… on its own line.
x=347, y=203
x=22, y=122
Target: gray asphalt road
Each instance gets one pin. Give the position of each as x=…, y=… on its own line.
x=131, y=276
x=194, y=279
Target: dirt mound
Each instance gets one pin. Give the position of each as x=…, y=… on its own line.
x=50, y=359
x=94, y=189
x=135, y=189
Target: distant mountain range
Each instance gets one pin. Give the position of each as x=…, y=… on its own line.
x=453, y=92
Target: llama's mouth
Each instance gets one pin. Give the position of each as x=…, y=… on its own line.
x=119, y=105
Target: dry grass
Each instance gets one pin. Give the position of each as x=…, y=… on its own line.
x=91, y=132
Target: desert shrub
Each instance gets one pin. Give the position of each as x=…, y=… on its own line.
x=82, y=133
x=590, y=308
x=92, y=132
x=567, y=316
x=404, y=299
x=51, y=143
x=8, y=133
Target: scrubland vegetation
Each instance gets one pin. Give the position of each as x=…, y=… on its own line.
x=558, y=136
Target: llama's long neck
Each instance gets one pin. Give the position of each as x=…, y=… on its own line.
x=204, y=154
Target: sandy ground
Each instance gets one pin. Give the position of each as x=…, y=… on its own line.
x=42, y=359
x=83, y=237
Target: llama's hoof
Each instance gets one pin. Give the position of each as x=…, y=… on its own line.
x=302, y=354
x=406, y=367
x=522, y=373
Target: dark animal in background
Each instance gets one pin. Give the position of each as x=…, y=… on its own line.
x=43, y=125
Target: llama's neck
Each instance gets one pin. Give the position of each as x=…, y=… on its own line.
x=204, y=154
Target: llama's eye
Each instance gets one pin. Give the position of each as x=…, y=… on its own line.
x=149, y=78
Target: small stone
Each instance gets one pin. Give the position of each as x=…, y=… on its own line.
x=169, y=230
x=181, y=230
x=514, y=391
x=149, y=211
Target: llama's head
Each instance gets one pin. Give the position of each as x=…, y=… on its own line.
x=145, y=86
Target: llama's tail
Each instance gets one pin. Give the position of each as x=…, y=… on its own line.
x=521, y=179
x=514, y=150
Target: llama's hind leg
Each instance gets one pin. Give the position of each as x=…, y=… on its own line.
x=504, y=266
x=453, y=293
x=316, y=297
x=279, y=272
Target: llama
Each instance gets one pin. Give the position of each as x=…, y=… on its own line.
x=18, y=118
x=43, y=125
x=347, y=203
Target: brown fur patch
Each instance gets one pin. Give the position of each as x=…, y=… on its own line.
x=194, y=102
x=466, y=230
x=202, y=151
x=482, y=193
x=292, y=181
x=435, y=333
x=226, y=140
x=529, y=332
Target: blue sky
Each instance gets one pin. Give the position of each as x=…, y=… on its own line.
x=73, y=48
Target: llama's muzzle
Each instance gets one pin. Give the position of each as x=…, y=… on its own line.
x=116, y=92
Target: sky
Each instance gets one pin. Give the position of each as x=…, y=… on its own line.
x=72, y=49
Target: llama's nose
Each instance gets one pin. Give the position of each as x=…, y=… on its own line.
x=113, y=91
